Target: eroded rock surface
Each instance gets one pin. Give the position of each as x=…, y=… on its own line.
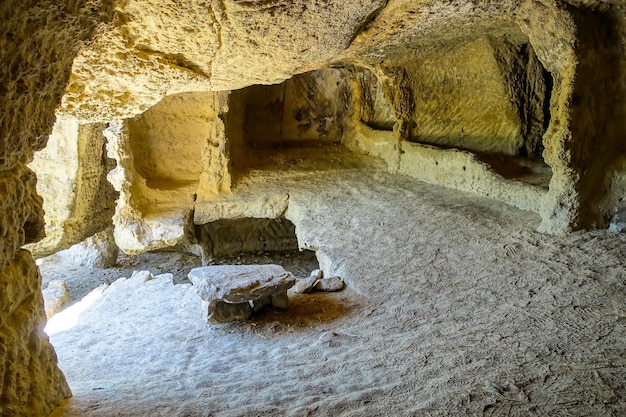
x=72, y=179
x=317, y=282
x=329, y=284
x=38, y=43
x=441, y=91
x=55, y=297
x=176, y=47
x=97, y=251
x=32, y=384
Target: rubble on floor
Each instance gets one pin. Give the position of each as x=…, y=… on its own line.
x=317, y=282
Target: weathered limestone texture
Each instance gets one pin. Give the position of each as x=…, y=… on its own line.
x=32, y=384
x=139, y=227
x=460, y=99
x=561, y=39
x=166, y=158
x=21, y=215
x=181, y=127
x=188, y=129
x=97, y=251
x=38, y=43
x=168, y=48
x=55, y=297
x=72, y=179
x=235, y=292
x=307, y=107
x=99, y=92
x=598, y=113
x=504, y=78
x=306, y=110
x=116, y=59
x=528, y=86
x=370, y=101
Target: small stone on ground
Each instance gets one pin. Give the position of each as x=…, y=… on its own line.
x=330, y=284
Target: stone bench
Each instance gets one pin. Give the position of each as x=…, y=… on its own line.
x=236, y=292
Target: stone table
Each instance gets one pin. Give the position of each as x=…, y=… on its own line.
x=236, y=292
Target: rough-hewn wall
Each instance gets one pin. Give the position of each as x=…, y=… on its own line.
x=228, y=236
x=72, y=179
x=614, y=199
x=314, y=106
x=138, y=225
x=307, y=107
x=166, y=157
x=38, y=42
x=487, y=95
x=461, y=99
x=152, y=48
x=599, y=114
x=179, y=126
x=561, y=37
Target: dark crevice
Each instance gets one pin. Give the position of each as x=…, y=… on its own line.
x=547, y=76
x=367, y=22
x=230, y=236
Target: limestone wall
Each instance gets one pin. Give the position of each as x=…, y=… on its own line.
x=152, y=49
x=460, y=100
x=165, y=158
x=490, y=77
x=314, y=106
x=72, y=179
x=308, y=107
x=229, y=236
x=138, y=226
x=369, y=101
x=456, y=116
x=168, y=139
x=577, y=139
x=38, y=43
x=598, y=114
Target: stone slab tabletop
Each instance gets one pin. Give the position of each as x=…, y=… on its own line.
x=240, y=283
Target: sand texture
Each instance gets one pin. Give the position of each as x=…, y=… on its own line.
x=455, y=306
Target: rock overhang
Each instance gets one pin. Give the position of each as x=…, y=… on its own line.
x=149, y=50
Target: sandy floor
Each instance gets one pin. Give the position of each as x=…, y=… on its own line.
x=455, y=307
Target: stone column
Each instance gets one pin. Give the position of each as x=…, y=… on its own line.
x=581, y=48
x=552, y=33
